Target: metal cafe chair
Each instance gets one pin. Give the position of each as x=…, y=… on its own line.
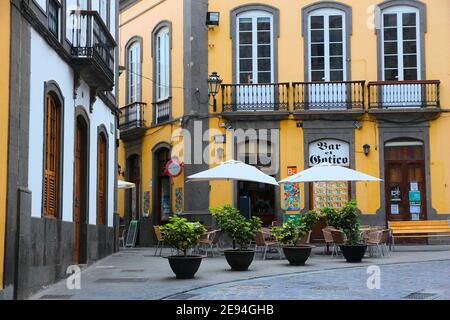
x=339, y=238
x=261, y=242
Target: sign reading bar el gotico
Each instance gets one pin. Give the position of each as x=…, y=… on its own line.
x=329, y=151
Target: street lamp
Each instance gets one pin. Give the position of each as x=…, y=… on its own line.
x=214, y=83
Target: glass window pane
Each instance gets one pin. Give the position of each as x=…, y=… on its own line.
x=390, y=20
x=336, y=63
x=335, y=22
x=336, y=35
x=264, y=65
x=245, y=24
x=317, y=22
x=410, y=61
x=390, y=62
x=264, y=51
x=318, y=63
x=409, y=19
x=410, y=74
x=263, y=37
x=244, y=77
x=390, y=48
x=317, y=36
x=390, y=75
x=264, y=77
x=409, y=33
x=263, y=24
x=245, y=38
x=336, y=49
x=317, y=75
x=245, y=51
x=317, y=50
x=409, y=47
x=390, y=34
x=245, y=64
x=336, y=75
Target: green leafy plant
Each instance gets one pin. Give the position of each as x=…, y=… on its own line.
x=331, y=215
x=347, y=219
x=233, y=223
x=291, y=232
x=182, y=235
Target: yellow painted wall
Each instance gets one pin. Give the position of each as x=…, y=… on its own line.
x=4, y=120
x=138, y=20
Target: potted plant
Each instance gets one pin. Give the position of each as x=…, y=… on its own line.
x=182, y=235
x=348, y=221
x=241, y=231
x=292, y=235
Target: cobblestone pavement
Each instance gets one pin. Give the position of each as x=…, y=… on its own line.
x=418, y=281
x=136, y=274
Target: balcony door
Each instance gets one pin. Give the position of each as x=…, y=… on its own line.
x=255, y=63
x=327, y=59
x=401, y=57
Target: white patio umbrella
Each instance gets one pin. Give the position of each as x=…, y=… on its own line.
x=328, y=173
x=125, y=185
x=234, y=170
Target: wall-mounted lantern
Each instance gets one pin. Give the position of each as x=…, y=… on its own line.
x=366, y=149
x=214, y=83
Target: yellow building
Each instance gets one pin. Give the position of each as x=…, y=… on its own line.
x=4, y=116
x=354, y=83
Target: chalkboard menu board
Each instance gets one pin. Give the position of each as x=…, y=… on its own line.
x=132, y=234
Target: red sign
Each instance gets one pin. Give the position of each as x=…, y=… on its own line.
x=174, y=168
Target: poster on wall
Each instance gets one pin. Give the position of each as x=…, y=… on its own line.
x=395, y=209
x=179, y=200
x=291, y=197
x=292, y=192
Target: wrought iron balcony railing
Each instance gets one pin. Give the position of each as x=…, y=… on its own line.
x=162, y=111
x=332, y=95
x=255, y=97
x=404, y=94
x=92, y=40
x=132, y=116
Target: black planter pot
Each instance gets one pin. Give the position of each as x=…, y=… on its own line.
x=353, y=253
x=297, y=255
x=185, y=267
x=239, y=260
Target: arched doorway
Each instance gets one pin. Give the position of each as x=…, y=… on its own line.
x=162, y=204
x=81, y=189
x=405, y=180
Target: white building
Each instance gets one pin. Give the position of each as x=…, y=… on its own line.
x=65, y=136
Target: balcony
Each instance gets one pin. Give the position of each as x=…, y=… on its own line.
x=408, y=100
x=328, y=100
x=93, y=49
x=261, y=101
x=161, y=111
x=131, y=122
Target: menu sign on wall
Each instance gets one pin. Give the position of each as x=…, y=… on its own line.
x=329, y=151
x=334, y=152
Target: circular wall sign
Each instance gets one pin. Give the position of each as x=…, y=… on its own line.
x=174, y=168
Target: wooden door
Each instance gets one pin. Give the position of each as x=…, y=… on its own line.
x=101, y=180
x=77, y=200
x=402, y=179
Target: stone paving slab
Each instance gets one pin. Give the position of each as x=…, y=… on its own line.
x=136, y=274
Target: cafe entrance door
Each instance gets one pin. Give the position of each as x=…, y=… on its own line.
x=405, y=187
